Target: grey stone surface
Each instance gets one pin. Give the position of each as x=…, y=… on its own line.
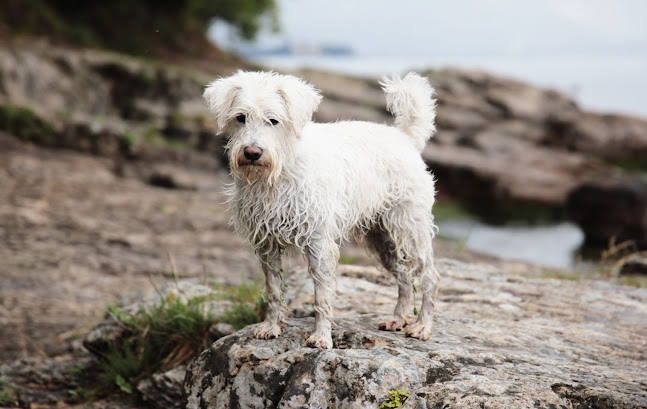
x=500, y=341
x=164, y=389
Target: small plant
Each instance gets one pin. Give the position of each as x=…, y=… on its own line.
x=247, y=304
x=77, y=369
x=78, y=394
x=128, y=139
x=7, y=394
x=614, y=256
x=172, y=332
x=243, y=293
x=241, y=315
x=25, y=124
x=415, y=291
x=395, y=400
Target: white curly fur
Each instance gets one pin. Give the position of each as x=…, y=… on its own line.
x=315, y=185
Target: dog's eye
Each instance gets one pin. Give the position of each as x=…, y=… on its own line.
x=274, y=121
x=241, y=119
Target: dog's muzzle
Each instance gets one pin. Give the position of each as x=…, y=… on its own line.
x=252, y=156
x=252, y=153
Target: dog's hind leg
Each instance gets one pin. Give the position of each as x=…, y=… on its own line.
x=403, y=240
x=274, y=323
x=429, y=281
x=322, y=255
x=381, y=244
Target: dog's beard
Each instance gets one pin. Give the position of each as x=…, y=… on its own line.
x=250, y=172
x=253, y=173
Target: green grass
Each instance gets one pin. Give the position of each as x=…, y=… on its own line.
x=7, y=394
x=79, y=394
x=243, y=293
x=24, y=124
x=172, y=332
x=395, y=400
x=564, y=275
x=633, y=280
x=128, y=139
x=346, y=259
x=450, y=210
x=241, y=315
x=628, y=164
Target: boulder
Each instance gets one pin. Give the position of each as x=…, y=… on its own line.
x=611, y=208
x=635, y=265
x=499, y=341
x=95, y=101
x=616, y=137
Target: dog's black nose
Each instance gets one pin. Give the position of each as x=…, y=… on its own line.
x=252, y=153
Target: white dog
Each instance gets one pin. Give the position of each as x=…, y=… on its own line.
x=308, y=186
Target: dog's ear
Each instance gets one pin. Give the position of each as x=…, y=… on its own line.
x=301, y=100
x=220, y=95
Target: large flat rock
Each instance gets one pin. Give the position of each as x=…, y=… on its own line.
x=499, y=342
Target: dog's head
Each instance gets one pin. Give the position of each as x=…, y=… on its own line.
x=264, y=114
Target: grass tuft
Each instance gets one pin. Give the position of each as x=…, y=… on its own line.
x=7, y=394
x=172, y=332
x=395, y=400
x=24, y=124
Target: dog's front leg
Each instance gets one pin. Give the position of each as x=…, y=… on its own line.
x=322, y=262
x=274, y=323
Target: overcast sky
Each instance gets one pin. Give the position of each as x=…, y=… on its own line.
x=468, y=27
x=595, y=49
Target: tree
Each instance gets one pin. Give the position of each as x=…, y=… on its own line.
x=135, y=26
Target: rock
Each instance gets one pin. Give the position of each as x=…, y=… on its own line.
x=634, y=265
x=503, y=171
x=499, y=341
x=221, y=329
x=606, y=136
x=65, y=381
x=93, y=101
x=611, y=208
x=163, y=390
x=494, y=156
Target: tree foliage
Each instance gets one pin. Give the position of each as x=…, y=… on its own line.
x=136, y=26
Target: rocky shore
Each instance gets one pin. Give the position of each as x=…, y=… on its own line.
x=110, y=188
x=500, y=341
x=503, y=148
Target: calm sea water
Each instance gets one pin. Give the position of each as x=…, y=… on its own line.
x=553, y=245
x=613, y=84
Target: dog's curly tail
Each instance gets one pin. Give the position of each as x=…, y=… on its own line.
x=410, y=100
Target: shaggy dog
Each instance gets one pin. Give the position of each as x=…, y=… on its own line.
x=308, y=186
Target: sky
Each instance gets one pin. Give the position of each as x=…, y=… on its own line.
x=470, y=27
x=595, y=50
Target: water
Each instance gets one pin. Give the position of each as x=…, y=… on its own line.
x=613, y=84
x=553, y=245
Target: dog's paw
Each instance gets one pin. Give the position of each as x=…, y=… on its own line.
x=419, y=330
x=394, y=323
x=318, y=341
x=269, y=330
